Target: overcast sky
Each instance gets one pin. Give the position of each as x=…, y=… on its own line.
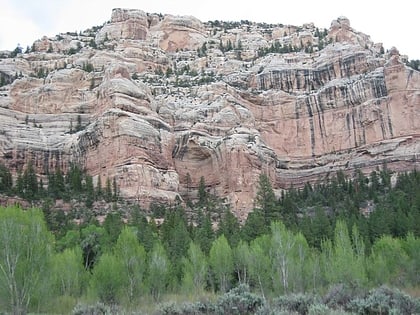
x=394, y=23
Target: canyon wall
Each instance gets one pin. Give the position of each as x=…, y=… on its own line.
x=158, y=101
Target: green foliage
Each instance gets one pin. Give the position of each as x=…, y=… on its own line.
x=24, y=256
x=344, y=262
x=242, y=261
x=388, y=262
x=414, y=64
x=158, y=271
x=254, y=226
x=16, y=51
x=113, y=225
x=132, y=257
x=259, y=267
x=230, y=228
x=6, y=181
x=106, y=282
x=203, y=233
x=266, y=200
x=195, y=270
x=221, y=262
x=93, y=241
x=88, y=67
x=68, y=273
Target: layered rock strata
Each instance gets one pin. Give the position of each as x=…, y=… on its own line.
x=157, y=101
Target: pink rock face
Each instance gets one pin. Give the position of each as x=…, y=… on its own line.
x=165, y=100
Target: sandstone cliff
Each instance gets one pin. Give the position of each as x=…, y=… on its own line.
x=158, y=99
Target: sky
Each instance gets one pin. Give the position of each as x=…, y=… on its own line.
x=393, y=23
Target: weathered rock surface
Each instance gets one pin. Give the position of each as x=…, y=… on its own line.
x=160, y=99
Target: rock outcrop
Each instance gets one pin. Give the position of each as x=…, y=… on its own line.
x=158, y=101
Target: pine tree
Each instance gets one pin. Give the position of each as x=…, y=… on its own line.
x=98, y=194
x=108, y=190
x=202, y=193
x=6, y=181
x=230, y=228
x=204, y=234
x=89, y=191
x=266, y=200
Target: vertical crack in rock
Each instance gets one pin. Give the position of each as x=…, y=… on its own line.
x=311, y=125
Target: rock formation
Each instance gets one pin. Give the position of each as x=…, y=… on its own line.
x=152, y=100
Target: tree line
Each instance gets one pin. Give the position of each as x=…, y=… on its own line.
x=305, y=241
x=38, y=270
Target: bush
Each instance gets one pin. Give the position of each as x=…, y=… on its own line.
x=384, y=301
x=197, y=308
x=299, y=303
x=239, y=301
x=340, y=295
x=267, y=310
x=97, y=309
x=319, y=309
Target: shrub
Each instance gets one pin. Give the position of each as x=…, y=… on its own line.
x=196, y=308
x=299, y=303
x=97, y=309
x=239, y=301
x=384, y=301
x=340, y=295
x=318, y=309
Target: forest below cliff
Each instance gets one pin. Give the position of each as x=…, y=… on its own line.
x=343, y=246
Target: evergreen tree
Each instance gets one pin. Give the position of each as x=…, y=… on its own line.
x=108, y=190
x=254, y=226
x=204, y=234
x=147, y=232
x=113, y=225
x=6, y=182
x=98, y=193
x=230, y=228
x=30, y=183
x=266, y=200
x=89, y=191
x=202, y=193
x=75, y=178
